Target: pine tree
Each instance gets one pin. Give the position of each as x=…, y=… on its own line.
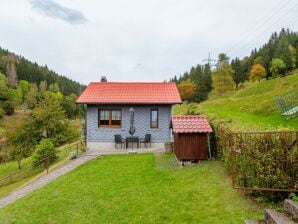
x=239, y=75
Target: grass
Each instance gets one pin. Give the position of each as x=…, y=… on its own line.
x=141, y=188
x=252, y=107
x=28, y=173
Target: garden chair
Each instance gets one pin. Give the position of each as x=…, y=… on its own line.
x=119, y=140
x=146, y=140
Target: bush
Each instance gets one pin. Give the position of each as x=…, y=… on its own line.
x=258, y=160
x=8, y=107
x=44, y=149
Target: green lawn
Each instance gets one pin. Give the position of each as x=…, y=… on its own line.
x=250, y=108
x=141, y=188
x=28, y=172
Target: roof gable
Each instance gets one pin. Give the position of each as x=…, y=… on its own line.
x=190, y=124
x=130, y=92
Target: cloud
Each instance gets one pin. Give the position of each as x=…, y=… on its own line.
x=54, y=10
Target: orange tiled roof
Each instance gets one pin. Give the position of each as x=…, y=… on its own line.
x=190, y=124
x=130, y=92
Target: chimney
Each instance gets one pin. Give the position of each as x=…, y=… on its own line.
x=103, y=79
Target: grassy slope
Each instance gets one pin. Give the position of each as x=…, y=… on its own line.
x=251, y=107
x=135, y=189
x=31, y=173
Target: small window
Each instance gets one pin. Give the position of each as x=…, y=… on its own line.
x=109, y=118
x=154, y=118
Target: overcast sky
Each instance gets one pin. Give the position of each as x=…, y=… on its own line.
x=137, y=40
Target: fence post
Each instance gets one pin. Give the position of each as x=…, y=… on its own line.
x=47, y=164
x=77, y=149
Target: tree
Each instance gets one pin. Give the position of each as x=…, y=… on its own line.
x=278, y=67
x=54, y=87
x=293, y=54
x=283, y=52
x=68, y=104
x=186, y=89
x=21, y=139
x=49, y=118
x=24, y=87
x=46, y=152
x=222, y=76
x=239, y=75
x=3, y=87
x=31, y=96
x=259, y=60
x=43, y=86
x=257, y=72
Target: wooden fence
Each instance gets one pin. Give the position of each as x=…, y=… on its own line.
x=44, y=164
x=266, y=161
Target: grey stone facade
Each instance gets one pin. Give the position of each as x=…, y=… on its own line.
x=104, y=137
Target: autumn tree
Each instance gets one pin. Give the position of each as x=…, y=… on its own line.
x=278, y=67
x=222, y=76
x=186, y=89
x=257, y=72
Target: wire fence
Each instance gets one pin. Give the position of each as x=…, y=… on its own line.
x=43, y=165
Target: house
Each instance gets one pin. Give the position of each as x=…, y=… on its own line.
x=109, y=105
x=191, y=137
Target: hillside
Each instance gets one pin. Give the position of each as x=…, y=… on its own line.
x=18, y=68
x=252, y=107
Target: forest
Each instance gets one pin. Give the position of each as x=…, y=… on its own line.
x=275, y=58
x=37, y=108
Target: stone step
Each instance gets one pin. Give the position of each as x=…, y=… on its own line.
x=274, y=217
x=250, y=222
x=291, y=207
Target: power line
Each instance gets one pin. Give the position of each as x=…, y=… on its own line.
x=256, y=38
x=265, y=20
x=260, y=27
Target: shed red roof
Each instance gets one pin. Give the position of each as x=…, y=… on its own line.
x=130, y=92
x=190, y=124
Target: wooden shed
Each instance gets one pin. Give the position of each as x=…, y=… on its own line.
x=191, y=137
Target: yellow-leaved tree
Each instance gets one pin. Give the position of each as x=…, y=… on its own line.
x=222, y=76
x=186, y=89
x=257, y=72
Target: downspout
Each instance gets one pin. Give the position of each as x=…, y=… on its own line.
x=209, y=148
x=85, y=129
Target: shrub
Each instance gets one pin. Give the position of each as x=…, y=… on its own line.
x=258, y=160
x=44, y=149
x=8, y=107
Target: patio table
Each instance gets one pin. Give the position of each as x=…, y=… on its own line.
x=133, y=140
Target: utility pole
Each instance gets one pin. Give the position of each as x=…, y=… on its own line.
x=210, y=61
